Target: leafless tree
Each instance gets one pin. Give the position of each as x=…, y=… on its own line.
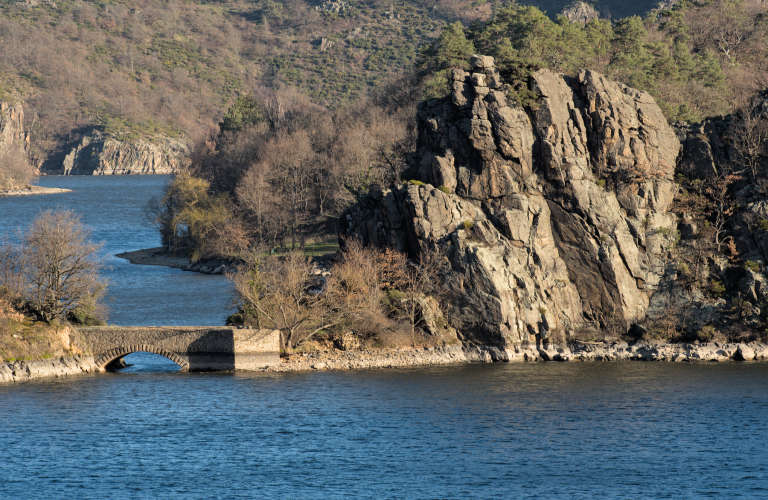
x=751, y=137
x=60, y=265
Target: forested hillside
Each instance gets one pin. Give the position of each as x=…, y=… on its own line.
x=149, y=67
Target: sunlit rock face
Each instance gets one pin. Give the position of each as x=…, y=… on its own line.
x=554, y=218
x=96, y=154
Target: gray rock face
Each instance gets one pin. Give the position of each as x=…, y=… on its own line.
x=100, y=155
x=553, y=220
x=13, y=137
x=580, y=12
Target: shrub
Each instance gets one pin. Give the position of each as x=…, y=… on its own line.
x=707, y=333
x=752, y=265
x=717, y=288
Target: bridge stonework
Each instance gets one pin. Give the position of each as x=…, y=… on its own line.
x=192, y=348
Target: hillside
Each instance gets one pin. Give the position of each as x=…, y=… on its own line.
x=151, y=67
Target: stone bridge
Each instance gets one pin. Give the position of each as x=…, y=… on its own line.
x=201, y=348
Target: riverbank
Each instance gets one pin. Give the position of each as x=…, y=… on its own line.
x=24, y=371
x=34, y=190
x=158, y=257
x=414, y=357
x=576, y=352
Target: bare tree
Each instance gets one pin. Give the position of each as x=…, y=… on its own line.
x=752, y=136
x=285, y=293
x=412, y=281
x=60, y=266
x=275, y=293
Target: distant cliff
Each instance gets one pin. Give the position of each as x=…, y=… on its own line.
x=12, y=133
x=555, y=219
x=15, y=168
x=97, y=154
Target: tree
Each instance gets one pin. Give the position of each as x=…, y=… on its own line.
x=60, y=266
x=282, y=293
x=751, y=136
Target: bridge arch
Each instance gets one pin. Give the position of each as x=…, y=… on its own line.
x=111, y=355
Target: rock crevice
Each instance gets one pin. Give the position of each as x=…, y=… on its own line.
x=555, y=218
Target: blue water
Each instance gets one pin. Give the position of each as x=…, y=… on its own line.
x=113, y=208
x=611, y=430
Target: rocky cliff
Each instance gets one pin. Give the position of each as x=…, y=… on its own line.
x=12, y=134
x=554, y=219
x=96, y=154
x=14, y=140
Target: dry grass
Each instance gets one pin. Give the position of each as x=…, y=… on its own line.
x=24, y=339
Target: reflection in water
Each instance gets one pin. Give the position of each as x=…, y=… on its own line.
x=611, y=430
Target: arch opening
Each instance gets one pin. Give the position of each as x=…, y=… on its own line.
x=114, y=359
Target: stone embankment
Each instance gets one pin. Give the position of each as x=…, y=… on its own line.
x=644, y=351
x=22, y=371
x=380, y=358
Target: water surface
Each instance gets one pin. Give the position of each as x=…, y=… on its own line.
x=613, y=430
x=113, y=209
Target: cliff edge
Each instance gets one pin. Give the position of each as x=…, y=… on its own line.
x=554, y=219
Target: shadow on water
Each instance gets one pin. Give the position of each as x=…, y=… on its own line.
x=147, y=362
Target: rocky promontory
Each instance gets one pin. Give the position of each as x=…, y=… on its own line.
x=100, y=154
x=554, y=218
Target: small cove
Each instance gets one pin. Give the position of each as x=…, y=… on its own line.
x=113, y=209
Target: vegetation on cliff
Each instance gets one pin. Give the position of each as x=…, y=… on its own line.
x=697, y=59
x=282, y=169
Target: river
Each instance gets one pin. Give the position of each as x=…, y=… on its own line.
x=113, y=209
x=608, y=430
x=612, y=430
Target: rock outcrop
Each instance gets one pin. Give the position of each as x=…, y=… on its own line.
x=554, y=220
x=23, y=371
x=97, y=154
x=12, y=133
x=580, y=12
x=14, y=145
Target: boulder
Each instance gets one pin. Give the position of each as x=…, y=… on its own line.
x=744, y=353
x=552, y=219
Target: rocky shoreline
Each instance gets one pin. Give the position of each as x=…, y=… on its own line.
x=576, y=352
x=23, y=371
x=34, y=190
x=158, y=257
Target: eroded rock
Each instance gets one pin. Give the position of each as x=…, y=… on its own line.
x=97, y=154
x=552, y=219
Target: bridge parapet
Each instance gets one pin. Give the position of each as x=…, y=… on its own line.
x=192, y=348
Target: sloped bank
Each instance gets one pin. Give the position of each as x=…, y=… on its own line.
x=23, y=371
